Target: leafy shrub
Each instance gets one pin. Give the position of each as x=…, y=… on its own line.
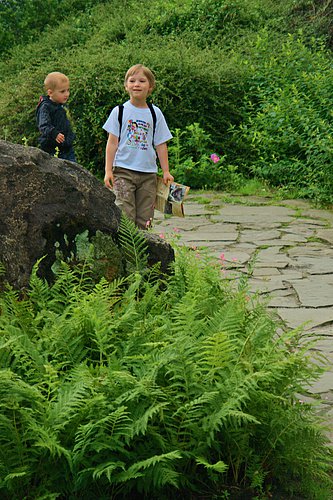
x=190, y=79
x=315, y=18
x=130, y=389
x=262, y=96
x=21, y=21
x=289, y=127
x=193, y=165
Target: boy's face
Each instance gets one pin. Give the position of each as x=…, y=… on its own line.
x=138, y=86
x=60, y=93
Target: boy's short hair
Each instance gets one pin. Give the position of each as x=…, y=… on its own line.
x=146, y=71
x=53, y=79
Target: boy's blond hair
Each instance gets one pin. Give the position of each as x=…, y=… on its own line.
x=53, y=80
x=146, y=71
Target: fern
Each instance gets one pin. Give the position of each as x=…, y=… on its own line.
x=218, y=466
x=132, y=389
x=158, y=471
x=133, y=244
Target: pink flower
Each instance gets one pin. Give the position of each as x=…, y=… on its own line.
x=222, y=257
x=214, y=158
x=176, y=230
x=162, y=235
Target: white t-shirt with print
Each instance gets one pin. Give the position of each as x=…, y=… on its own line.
x=135, y=150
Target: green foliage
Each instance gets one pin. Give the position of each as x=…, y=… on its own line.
x=21, y=21
x=245, y=74
x=133, y=244
x=315, y=18
x=182, y=390
x=96, y=50
x=288, y=125
x=192, y=165
x=99, y=255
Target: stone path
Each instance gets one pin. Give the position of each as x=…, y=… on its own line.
x=290, y=246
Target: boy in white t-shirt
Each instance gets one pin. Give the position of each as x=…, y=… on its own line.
x=130, y=162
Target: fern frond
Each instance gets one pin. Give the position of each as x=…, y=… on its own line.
x=140, y=424
x=46, y=439
x=133, y=244
x=107, y=469
x=217, y=354
x=66, y=288
x=70, y=398
x=39, y=290
x=110, y=432
x=153, y=460
x=20, y=353
x=219, y=466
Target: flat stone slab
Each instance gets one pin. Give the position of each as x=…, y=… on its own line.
x=326, y=235
x=214, y=247
x=186, y=223
x=315, y=264
x=200, y=236
x=291, y=238
x=324, y=385
x=320, y=215
x=235, y=257
x=272, y=257
x=291, y=274
x=268, y=284
x=266, y=271
x=283, y=298
x=325, y=345
x=218, y=227
x=309, y=221
x=309, y=318
x=191, y=208
x=265, y=235
x=275, y=243
x=315, y=291
x=263, y=215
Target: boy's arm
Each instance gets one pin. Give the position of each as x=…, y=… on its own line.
x=44, y=124
x=110, y=152
x=162, y=153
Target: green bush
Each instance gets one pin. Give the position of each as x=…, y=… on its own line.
x=22, y=21
x=190, y=79
x=133, y=389
x=261, y=95
x=289, y=128
x=193, y=163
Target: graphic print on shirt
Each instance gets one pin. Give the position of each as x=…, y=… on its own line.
x=137, y=133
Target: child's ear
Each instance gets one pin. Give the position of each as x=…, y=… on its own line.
x=49, y=92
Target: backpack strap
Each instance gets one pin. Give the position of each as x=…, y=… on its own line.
x=121, y=112
x=120, y=118
x=153, y=114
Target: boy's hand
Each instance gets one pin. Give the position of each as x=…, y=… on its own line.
x=167, y=177
x=60, y=138
x=108, y=180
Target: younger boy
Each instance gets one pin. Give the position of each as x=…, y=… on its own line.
x=130, y=163
x=52, y=121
